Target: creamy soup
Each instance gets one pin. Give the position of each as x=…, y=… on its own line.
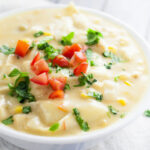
x=65, y=72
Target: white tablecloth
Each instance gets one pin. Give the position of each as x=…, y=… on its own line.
x=135, y=136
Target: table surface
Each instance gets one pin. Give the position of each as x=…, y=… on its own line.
x=136, y=13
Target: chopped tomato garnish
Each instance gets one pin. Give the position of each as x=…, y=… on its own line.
x=61, y=61
x=35, y=59
x=57, y=94
x=58, y=83
x=69, y=50
x=81, y=68
x=78, y=58
x=21, y=48
x=40, y=66
x=41, y=79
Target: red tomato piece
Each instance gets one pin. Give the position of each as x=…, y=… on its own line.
x=78, y=58
x=21, y=48
x=57, y=94
x=81, y=68
x=58, y=83
x=69, y=50
x=61, y=61
x=40, y=66
x=35, y=59
x=41, y=79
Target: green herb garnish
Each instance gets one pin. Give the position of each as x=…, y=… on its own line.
x=54, y=127
x=116, y=78
x=122, y=115
x=93, y=37
x=67, y=87
x=92, y=63
x=21, y=89
x=83, y=125
x=6, y=50
x=37, y=34
x=26, y=109
x=147, y=113
x=32, y=45
x=95, y=95
x=14, y=73
x=8, y=121
x=112, y=110
x=4, y=76
x=86, y=80
x=58, y=69
x=108, y=66
x=89, y=53
x=66, y=40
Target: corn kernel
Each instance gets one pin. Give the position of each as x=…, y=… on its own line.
x=26, y=41
x=84, y=95
x=47, y=34
x=112, y=49
x=122, y=102
x=128, y=83
x=18, y=109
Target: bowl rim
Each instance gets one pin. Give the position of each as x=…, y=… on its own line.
x=9, y=132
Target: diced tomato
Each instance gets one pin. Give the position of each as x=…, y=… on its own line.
x=57, y=94
x=58, y=83
x=78, y=58
x=69, y=50
x=35, y=59
x=41, y=79
x=61, y=61
x=81, y=68
x=40, y=66
x=21, y=48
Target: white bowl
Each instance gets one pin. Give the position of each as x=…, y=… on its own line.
x=31, y=142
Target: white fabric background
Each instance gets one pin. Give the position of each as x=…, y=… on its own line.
x=136, y=13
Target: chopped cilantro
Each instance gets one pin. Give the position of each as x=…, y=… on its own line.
x=8, y=121
x=147, y=113
x=32, y=45
x=66, y=40
x=21, y=89
x=122, y=115
x=95, y=95
x=67, y=87
x=54, y=127
x=37, y=34
x=26, y=109
x=42, y=45
x=108, y=66
x=116, y=78
x=93, y=37
x=6, y=50
x=112, y=110
x=58, y=69
x=92, y=63
x=14, y=73
x=86, y=80
x=83, y=125
x=114, y=58
x=88, y=53
x=50, y=52
x=4, y=76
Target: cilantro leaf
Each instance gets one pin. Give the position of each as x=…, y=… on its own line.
x=83, y=125
x=54, y=127
x=58, y=69
x=8, y=121
x=88, y=53
x=93, y=37
x=108, y=66
x=26, y=109
x=112, y=110
x=14, y=73
x=6, y=50
x=86, y=80
x=116, y=78
x=66, y=40
x=32, y=45
x=95, y=95
x=67, y=87
x=37, y=34
x=147, y=113
x=21, y=89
